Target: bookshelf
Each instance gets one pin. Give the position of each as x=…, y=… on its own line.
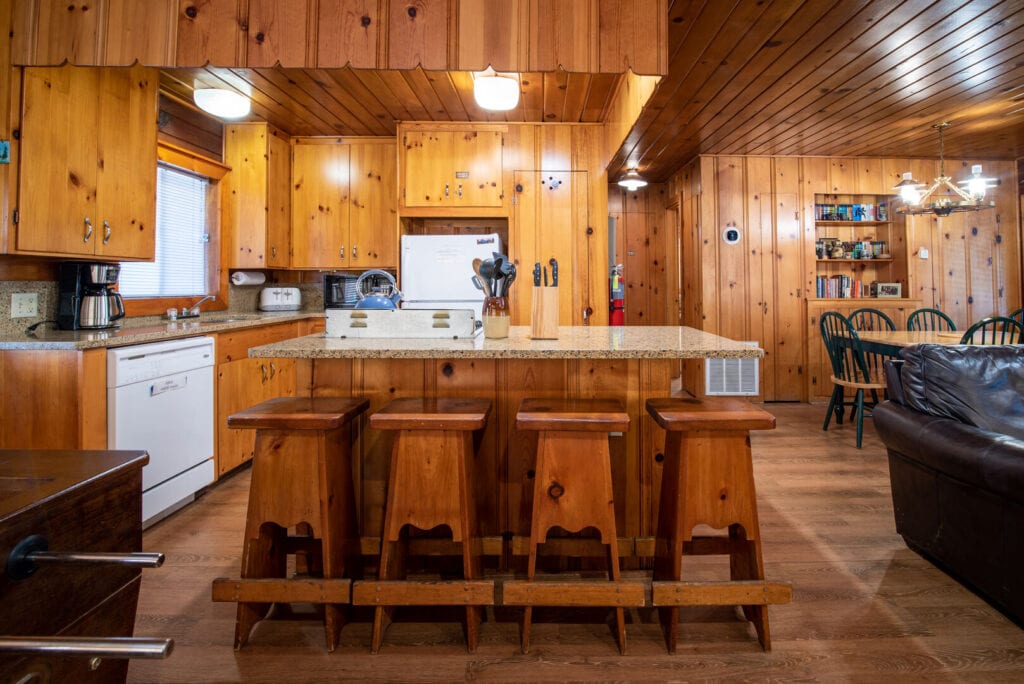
x=860, y=247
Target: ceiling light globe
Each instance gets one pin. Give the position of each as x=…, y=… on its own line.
x=632, y=181
x=976, y=185
x=496, y=93
x=222, y=103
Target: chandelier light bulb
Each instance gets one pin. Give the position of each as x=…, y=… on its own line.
x=909, y=189
x=977, y=184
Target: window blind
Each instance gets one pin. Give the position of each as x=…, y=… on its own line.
x=181, y=240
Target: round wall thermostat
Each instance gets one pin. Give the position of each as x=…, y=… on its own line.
x=731, y=235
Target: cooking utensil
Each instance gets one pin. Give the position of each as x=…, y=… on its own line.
x=484, y=281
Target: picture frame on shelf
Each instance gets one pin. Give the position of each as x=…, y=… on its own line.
x=889, y=290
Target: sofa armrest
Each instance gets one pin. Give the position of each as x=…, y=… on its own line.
x=894, y=380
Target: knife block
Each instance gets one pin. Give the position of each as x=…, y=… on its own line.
x=544, y=314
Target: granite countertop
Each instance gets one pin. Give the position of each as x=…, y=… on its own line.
x=148, y=329
x=594, y=342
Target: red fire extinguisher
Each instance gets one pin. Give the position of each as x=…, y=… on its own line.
x=617, y=311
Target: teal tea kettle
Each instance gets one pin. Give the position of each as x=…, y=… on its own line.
x=377, y=290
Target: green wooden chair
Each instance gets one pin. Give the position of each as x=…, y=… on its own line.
x=994, y=330
x=849, y=370
x=929, y=319
x=870, y=319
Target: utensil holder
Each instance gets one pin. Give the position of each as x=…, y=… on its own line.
x=544, y=314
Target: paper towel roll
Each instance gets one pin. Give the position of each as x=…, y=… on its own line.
x=248, y=278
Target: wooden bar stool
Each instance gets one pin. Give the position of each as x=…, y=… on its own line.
x=430, y=483
x=301, y=477
x=708, y=479
x=573, y=489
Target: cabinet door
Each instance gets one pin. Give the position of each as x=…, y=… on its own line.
x=475, y=173
x=126, y=166
x=373, y=212
x=278, y=199
x=426, y=168
x=320, y=207
x=241, y=384
x=57, y=181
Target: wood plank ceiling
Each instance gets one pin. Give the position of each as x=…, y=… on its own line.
x=784, y=77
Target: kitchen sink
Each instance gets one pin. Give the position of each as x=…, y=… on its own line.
x=234, y=318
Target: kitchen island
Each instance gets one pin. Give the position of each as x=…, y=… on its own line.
x=628, y=363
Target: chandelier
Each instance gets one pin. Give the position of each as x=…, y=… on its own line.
x=943, y=197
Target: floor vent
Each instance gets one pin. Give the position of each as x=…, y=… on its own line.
x=732, y=377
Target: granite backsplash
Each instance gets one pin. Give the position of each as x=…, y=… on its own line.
x=241, y=299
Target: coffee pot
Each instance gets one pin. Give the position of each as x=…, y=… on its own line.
x=100, y=309
x=86, y=298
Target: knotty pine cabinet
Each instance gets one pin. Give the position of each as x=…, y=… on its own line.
x=243, y=382
x=451, y=168
x=87, y=179
x=256, y=196
x=344, y=212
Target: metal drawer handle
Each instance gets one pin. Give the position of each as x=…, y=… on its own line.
x=355, y=252
x=88, y=229
x=84, y=647
x=273, y=370
x=341, y=252
x=106, y=232
x=263, y=371
x=33, y=551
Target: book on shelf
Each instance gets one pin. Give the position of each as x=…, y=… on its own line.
x=839, y=287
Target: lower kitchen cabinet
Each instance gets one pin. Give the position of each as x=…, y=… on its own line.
x=241, y=384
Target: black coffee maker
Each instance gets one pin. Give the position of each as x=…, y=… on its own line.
x=86, y=299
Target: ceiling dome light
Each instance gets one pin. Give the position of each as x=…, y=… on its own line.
x=222, y=103
x=632, y=180
x=494, y=91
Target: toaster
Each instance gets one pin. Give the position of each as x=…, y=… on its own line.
x=280, y=299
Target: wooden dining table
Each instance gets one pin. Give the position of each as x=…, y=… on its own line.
x=889, y=342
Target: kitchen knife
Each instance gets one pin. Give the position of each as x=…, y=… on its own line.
x=554, y=271
x=536, y=274
x=545, y=276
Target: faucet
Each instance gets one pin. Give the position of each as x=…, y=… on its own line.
x=187, y=312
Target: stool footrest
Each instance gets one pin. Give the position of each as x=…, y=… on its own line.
x=574, y=593
x=280, y=590
x=423, y=593
x=726, y=593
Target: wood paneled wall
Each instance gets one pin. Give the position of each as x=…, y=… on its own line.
x=527, y=35
x=756, y=290
x=625, y=108
x=646, y=246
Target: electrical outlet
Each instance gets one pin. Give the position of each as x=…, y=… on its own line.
x=24, y=304
x=923, y=252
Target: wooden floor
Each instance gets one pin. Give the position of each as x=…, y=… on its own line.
x=865, y=608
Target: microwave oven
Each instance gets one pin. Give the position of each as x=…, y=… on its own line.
x=340, y=291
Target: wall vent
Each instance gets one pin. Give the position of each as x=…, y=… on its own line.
x=732, y=377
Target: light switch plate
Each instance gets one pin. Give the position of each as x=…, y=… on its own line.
x=923, y=252
x=24, y=304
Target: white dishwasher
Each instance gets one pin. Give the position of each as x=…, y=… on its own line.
x=160, y=399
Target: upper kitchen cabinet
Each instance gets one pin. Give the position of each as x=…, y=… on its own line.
x=87, y=183
x=343, y=203
x=447, y=170
x=257, y=199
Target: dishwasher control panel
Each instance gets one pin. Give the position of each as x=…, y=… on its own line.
x=143, y=362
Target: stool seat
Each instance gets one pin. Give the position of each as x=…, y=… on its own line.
x=572, y=490
x=300, y=413
x=433, y=413
x=572, y=415
x=301, y=479
x=710, y=413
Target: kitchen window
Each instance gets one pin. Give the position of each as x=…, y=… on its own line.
x=187, y=264
x=182, y=240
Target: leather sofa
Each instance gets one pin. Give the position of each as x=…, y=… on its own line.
x=954, y=430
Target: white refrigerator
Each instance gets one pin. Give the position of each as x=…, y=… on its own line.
x=437, y=270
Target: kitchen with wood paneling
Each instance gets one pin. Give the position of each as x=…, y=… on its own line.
x=736, y=170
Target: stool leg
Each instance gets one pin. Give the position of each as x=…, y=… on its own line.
x=668, y=561
x=338, y=520
x=745, y=564
x=537, y=535
x=261, y=557
x=471, y=547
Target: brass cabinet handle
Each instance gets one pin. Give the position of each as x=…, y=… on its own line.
x=355, y=252
x=88, y=229
x=263, y=372
x=459, y=191
x=106, y=232
x=341, y=252
x=273, y=370
x=446, y=190
x=273, y=252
